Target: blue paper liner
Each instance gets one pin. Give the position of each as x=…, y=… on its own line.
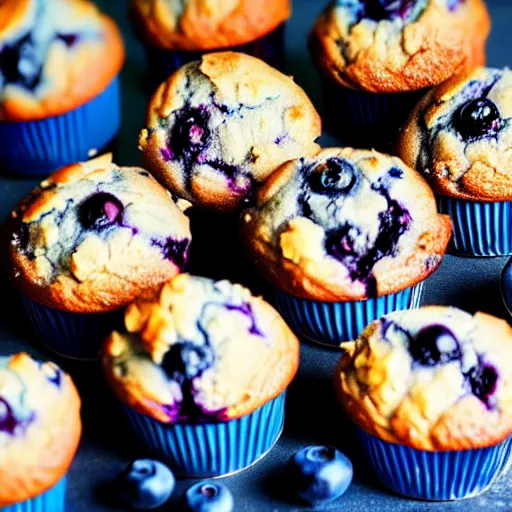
x=330, y=323
x=163, y=63
x=73, y=335
x=479, y=228
x=364, y=119
x=41, y=147
x=436, y=476
x=211, y=449
x=53, y=500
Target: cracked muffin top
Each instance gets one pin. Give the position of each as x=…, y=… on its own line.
x=435, y=379
x=345, y=225
x=207, y=24
x=49, y=55
x=218, y=127
x=40, y=427
x=460, y=136
x=202, y=351
x=94, y=236
x=399, y=45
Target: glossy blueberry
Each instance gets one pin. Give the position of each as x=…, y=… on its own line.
x=185, y=361
x=336, y=176
x=189, y=133
x=319, y=474
x=433, y=345
x=145, y=484
x=100, y=211
x=208, y=497
x=483, y=380
x=477, y=118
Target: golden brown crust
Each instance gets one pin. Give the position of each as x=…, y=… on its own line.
x=389, y=57
x=208, y=24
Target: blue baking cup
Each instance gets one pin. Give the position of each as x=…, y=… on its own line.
x=479, y=228
x=41, y=147
x=53, y=500
x=73, y=335
x=330, y=323
x=437, y=476
x=211, y=449
x=163, y=63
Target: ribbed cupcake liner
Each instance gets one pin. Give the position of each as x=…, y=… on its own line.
x=73, y=335
x=364, y=119
x=211, y=449
x=436, y=476
x=53, y=500
x=479, y=228
x=163, y=63
x=41, y=147
x=330, y=323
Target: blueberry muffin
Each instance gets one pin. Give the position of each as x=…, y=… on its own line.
x=91, y=239
x=345, y=225
x=175, y=33
x=433, y=387
x=56, y=103
x=40, y=429
x=378, y=57
x=459, y=137
x=203, y=367
x=219, y=126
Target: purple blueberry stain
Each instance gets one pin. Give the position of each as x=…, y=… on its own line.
x=20, y=63
x=100, y=211
x=246, y=309
x=174, y=250
x=166, y=154
x=68, y=39
x=379, y=10
x=8, y=421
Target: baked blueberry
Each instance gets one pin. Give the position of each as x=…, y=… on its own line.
x=483, y=379
x=185, y=361
x=336, y=176
x=319, y=474
x=145, y=484
x=189, y=133
x=100, y=211
x=208, y=497
x=433, y=345
x=477, y=118
x=8, y=422
x=19, y=63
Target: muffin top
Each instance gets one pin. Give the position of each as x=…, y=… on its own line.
x=345, y=225
x=40, y=427
x=399, y=45
x=460, y=136
x=218, y=127
x=50, y=51
x=207, y=24
x=434, y=379
x=201, y=351
x=94, y=236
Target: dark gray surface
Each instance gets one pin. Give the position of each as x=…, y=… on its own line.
x=313, y=415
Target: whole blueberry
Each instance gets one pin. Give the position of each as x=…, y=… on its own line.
x=477, y=118
x=100, y=211
x=334, y=177
x=434, y=344
x=208, y=497
x=319, y=474
x=145, y=484
x=190, y=132
x=483, y=380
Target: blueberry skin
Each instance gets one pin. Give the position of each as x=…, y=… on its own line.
x=145, y=484
x=319, y=474
x=208, y=497
x=477, y=118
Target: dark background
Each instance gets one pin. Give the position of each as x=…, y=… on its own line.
x=313, y=415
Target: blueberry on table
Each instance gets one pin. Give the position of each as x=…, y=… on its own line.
x=208, y=497
x=477, y=118
x=319, y=474
x=145, y=484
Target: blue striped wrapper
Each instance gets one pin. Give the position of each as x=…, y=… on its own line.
x=436, y=476
x=330, y=323
x=73, y=335
x=211, y=449
x=53, y=500
x=43, y=146
x=479, y=228
x=163, y=63
x=366, y=119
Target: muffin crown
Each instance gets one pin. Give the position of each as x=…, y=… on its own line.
x=94, y=236
x=50, y=52
x=460, y=136
x=200, y=351
x=40, y=427
x=433, y=379
x=218, y=127
x=399, y=46
x=345, y=225
x=207, y=24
